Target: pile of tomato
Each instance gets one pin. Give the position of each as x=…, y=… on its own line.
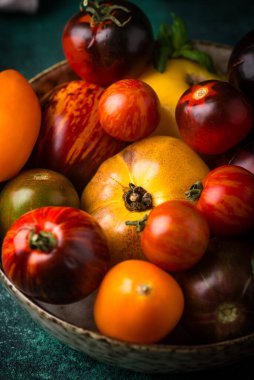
x=91, y=201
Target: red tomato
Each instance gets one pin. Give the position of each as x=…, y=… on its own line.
x=107, y=41
x=55, y=254
x=213, y=116
x=129, y=110
x=226, y=198
x=175, y=236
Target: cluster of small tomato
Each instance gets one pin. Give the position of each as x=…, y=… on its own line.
x=199, y=273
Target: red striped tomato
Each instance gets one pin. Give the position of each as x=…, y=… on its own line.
x=71, y=139
x=129, y=110
x=226, y=198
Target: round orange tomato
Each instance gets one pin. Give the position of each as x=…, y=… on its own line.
x=138, y=302
x=20, y=119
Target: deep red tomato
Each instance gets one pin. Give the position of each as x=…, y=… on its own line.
x=226, y=198
x=107, y=41
x=213, y=116
x=55, y=254
x=129, y=110
x=175, y=236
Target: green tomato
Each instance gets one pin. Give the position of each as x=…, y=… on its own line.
x=32, y=189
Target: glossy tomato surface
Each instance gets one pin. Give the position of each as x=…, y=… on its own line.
x=138, y=302
x=175, y=236
x=32, y=189
x=227, y=200
x=55, y=254
x=219, y=292
x=213, y=116
x=108, y=41
x=129, y=110
x=71, y=139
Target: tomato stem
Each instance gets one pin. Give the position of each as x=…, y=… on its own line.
x=139, y=224
x=137, y=199
x=102, y=12
x=195, y=191
x=43, y=241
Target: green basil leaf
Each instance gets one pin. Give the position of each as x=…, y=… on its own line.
x=179, y=32
x=201, y=57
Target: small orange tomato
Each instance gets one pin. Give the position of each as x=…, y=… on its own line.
x=20, y=119
x=138, y=302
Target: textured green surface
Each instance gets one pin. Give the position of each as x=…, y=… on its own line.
x=31, y=43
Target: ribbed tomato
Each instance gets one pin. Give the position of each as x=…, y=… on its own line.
x=71, y=140
x=55, y=254
x=226, y=198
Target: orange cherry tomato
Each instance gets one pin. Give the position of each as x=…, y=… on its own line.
x=20, y=119
x=138, y=302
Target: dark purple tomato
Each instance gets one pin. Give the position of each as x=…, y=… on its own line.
x=213, y=116
x=107, y=41
x=241, y=65
x=219, y=292
x=244, y=157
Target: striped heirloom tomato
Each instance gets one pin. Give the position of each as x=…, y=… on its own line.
x=226, y=198
x=71, y=139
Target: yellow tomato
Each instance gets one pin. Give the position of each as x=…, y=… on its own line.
x=178, y=76
x=20, y=118
x=129, y=184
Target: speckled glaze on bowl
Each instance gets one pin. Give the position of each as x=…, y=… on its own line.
x=74, y=325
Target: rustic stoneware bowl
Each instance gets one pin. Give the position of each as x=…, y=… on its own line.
x=74, y=324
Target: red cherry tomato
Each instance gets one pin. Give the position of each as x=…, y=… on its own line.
x=226, y=198
x=129, y=110
x=107, y=41
x=175, y=236
x=55, y=254
x=213, y=116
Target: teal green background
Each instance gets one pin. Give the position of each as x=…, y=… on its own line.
x=31, y=43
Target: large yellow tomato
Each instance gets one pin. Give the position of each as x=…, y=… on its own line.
x=20, y=119
x=178, y=76
x=129, y=184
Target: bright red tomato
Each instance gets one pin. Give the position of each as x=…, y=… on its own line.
x=175, y=236
x=213, y=116
x=55, y=254
x=129, y=110
x=107, y=41
x=226, y=198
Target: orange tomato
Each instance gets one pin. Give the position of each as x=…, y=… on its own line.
x=20, y=118
x=138, y=302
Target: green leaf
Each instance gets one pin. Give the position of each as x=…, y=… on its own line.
x=201, y=57
x=179, y=32
x=163, y=49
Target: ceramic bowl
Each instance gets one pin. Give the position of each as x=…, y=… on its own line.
x=74, y=324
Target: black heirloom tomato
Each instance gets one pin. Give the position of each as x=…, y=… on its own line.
x=107, y=41
x=58, y=255
x=219, y=292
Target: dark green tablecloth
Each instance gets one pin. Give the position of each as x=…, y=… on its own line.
x=31, y=43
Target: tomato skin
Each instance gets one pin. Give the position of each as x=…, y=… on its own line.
x=213, y=116
x=175, y=236
x=102, y=52
x=31, y=189
x=227, y=200
x=129, y=110
x=138, y=302
x=68, y=271
x=20, y=119
x=71, y=140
